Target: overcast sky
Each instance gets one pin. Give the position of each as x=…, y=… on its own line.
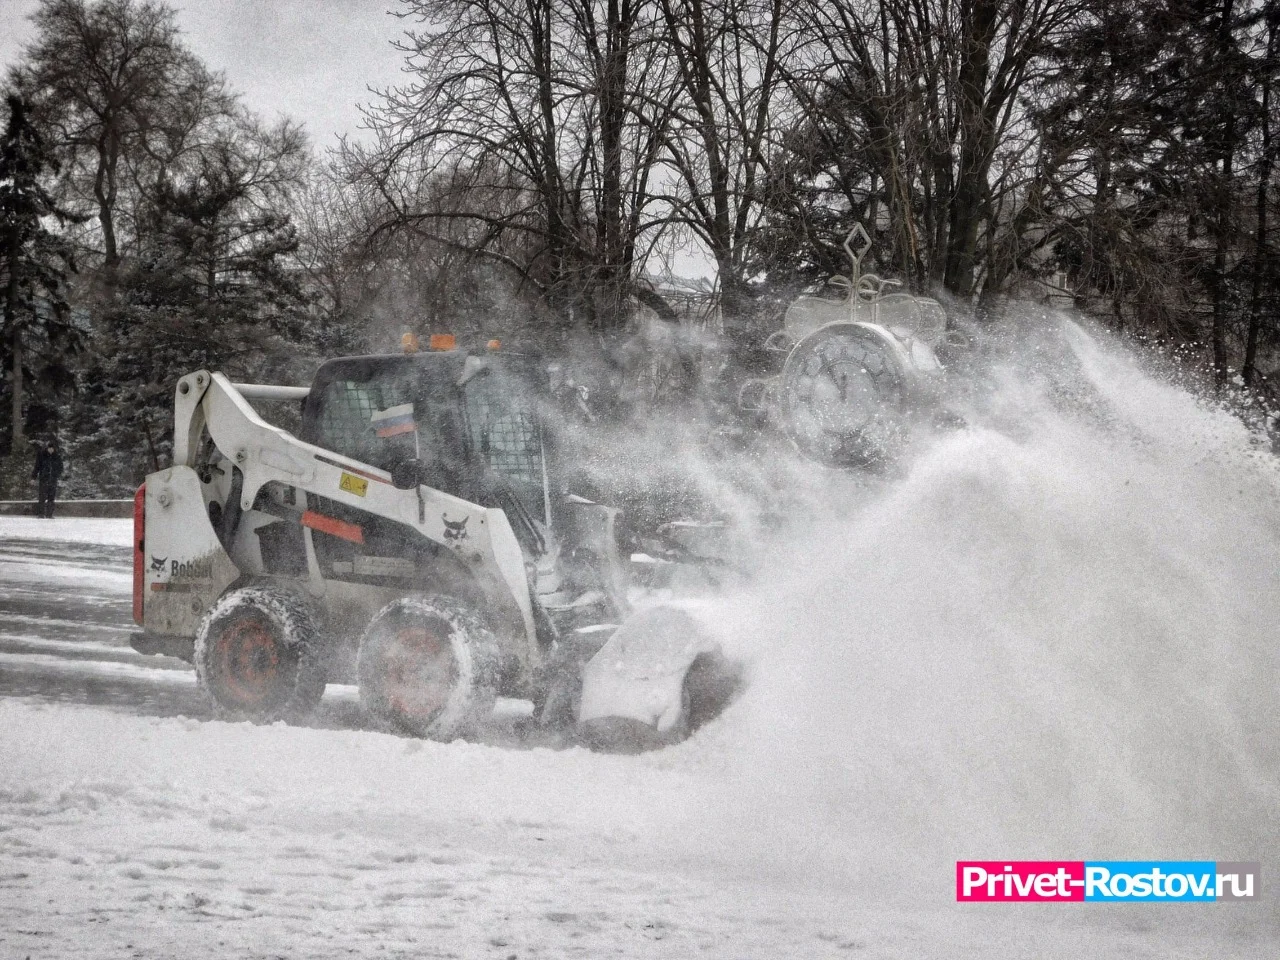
x=310, y=59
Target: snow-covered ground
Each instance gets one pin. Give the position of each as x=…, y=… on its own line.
x=126, y=836
x=1054, y=637
x=118, y=533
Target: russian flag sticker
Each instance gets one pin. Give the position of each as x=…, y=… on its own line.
x=394, y=420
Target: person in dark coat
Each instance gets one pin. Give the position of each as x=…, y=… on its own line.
x=47, y=471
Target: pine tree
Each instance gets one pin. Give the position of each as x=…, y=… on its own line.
x=211, y=285
x=34, y=259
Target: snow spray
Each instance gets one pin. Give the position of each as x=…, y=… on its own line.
x=1055, y=636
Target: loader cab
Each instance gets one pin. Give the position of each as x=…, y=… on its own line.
x=466, y=424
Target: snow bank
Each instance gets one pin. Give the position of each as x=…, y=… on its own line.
x=116, y=533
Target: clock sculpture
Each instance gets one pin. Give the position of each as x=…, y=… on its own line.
x=852, y=367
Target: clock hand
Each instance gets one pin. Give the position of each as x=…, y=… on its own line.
x=832, y=373
x=841, y=380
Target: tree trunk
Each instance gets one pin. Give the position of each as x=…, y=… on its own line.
x=15, y=340
x=104, y=192
x=969, y=201
x=1260, y=261
x=1224, y=204
x=611, y=65
x=17, y=391
x=564, y=284
x=1220, y=258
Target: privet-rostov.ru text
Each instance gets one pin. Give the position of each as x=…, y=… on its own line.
x=1041, y=881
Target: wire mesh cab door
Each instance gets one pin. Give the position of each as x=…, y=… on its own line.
x=504, y=437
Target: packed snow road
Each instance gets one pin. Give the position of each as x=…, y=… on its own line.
x=65, y=622
x=129, y=826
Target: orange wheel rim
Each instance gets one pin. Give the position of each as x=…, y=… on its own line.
x=419, y=673
x=248, y=663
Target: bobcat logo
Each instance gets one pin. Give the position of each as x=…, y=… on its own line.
x=158, y=564
x=455, y=531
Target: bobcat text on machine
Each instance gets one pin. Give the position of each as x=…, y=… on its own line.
x=413, y=539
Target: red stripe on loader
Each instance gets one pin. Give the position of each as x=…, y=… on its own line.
x=334, y=527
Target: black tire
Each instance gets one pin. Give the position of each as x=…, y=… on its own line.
x=709, y=687
x=258, y=654
x=428, y=666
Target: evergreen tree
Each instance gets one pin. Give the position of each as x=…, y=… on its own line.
x=213, y=286
x=34, y=262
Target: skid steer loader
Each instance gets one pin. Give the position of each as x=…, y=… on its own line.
x=414, y=539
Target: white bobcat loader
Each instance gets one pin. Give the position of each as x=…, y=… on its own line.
x=411, y=540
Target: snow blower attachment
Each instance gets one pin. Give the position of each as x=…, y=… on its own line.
x=852, y=367
x=412, y=540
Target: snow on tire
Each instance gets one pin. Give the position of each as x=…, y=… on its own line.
x=428, y=666
x=258, y=656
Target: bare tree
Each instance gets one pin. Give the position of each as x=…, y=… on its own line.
x=537, y=124
x=120, y=95
x=927, y=95
x=730, y=57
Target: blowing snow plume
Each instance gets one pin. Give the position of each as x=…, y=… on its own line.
x=1053, y=637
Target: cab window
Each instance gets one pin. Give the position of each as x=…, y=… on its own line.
x=503, y=430
x=346, y=423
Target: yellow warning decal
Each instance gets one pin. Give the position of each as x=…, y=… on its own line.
x=353, y=484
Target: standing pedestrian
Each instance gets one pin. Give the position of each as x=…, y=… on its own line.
x=47, y=471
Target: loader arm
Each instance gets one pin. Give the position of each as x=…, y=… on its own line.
x=480, y=538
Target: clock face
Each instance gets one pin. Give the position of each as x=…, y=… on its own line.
x=842, y=391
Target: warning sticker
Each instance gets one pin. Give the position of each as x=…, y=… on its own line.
x=353, y=484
